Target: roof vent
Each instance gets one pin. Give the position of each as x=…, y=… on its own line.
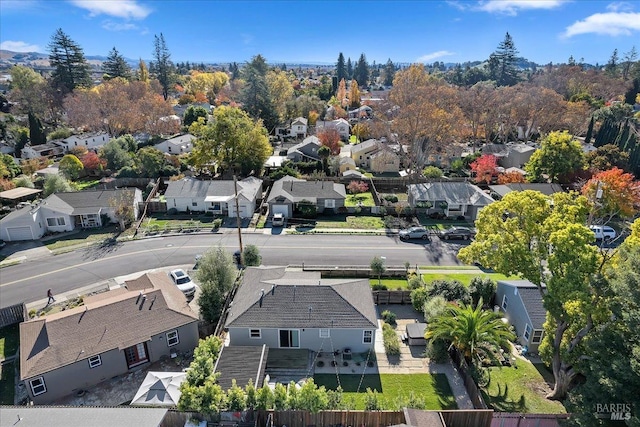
x=261, y=296
x=273, y=289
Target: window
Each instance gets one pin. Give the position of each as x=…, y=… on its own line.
x=504, y=302
x=255, y=333
x=329, y=203
x=194, y=203
x=52, y=222
x=324, y=333
x=215, y=206
x=172, y=338
x=37, y=386
x=367, y=337
x=289, y=338
x=527, y=332
x=537, y=336
x=95, y=361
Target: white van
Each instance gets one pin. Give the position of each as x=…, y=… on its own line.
x=603, y=232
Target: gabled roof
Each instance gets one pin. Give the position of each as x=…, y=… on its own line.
x=113, y=320
x=531, y=298
x=67, y=416
x=80, y=202
x=181, y=140
x=296, y=190
x=193, y=188
x=300, y=147
x=368, y=145
x=300, y=120
x=546, y=189
x=301, y=299
x=454, y=193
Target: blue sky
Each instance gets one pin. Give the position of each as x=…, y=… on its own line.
x=315, y=32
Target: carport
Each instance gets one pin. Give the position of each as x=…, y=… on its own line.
x=20, y=194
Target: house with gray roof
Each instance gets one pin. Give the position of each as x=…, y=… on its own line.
x=292, y=309
x=67, y=211
x=111, y=334
x=502, y=190
x=522, y=303
x=306, y=151
x=69, y=416
x=451, y=198
x=217, y=196
x=181, y=144
x=288, y=192
x=511, y=154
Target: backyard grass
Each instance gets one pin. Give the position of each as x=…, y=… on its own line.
x=434, y=388
x=86, y=183
x=521, y=389
x=8, y=341
x=464, y=278
x=391, y=283
x=362, y=199
x=88, y=235
x=350, y=221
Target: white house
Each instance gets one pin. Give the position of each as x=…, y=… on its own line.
x=341, y=125
x=179, y=145
x=87, y=140
x=48, y=150
x=299, y=128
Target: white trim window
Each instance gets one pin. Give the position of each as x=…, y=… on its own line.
x=95, y=361
x=172, y=338
x=37, y=386
x=367, y=337
x=329, y=203
x=54, y=222
x=324, y=333
x=504, y=302
x=255, y=333
x=527, y=332
x=536, y=338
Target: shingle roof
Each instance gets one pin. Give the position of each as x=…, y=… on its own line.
x=310, y=140
x=114, y=320
x=81, y=200
x=241, y=363
x=302, y=299
x=421, y=418
x=532, y=300
x=65, y=416
x=248, y=187
x=368, y=145
x=297, y=190
x=544, y=188
x=454, y=193
x=182, y=139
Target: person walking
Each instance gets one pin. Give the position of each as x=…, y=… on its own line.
x=50, y=296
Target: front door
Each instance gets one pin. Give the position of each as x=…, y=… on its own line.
x=136, y=355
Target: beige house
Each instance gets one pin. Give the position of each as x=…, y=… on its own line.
x=113, y=333
x=374, y=156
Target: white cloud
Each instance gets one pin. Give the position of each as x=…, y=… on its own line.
x=128, y=9
x=620, y=6
x=118, y=26
x=19, y=46
x=19, y=5
x=433, y=55
x=512, y=7
x=609, y=23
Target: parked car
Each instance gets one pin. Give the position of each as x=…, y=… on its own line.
x=183, y=281
x=277, y=220
x=460, y=233
x=414, y=233
x=603, y=232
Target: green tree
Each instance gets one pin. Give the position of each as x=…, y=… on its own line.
x=612, y=66
x=36, y=130
x=558, y=157
x=433, y=172
x=216, y=274
x=236, y=398
x=256, y=97
x=313, y=398
x=502, y=63
x=377, y=267
x=71, y=166
x=264, y=398
x=116, y=66
x=475, y=332
x=70, y=68
x=251, y=256
x=482, y=288
x=55, y=184
x=115, y=156
x=151, y=161
x=280, y=397
x=11, y=167
x=164, y=69
x=349, y=69
x=434, y=307
x=341, y=68
x=199, y=391
x=192, y=114
x=544, y=240
x=389, y=73
x=361, y=73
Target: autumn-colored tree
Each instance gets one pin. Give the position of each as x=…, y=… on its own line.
x=612, y=192
x=607, y=157
x=208, y=84
x=30, y=166
x=485, y=168
x=354, y=95
x=361, y=131
x=92, y=162
x=357, y=187
x=281, y=91
x=6, y=184
x=511, y=177
x=341, y=94
x=313, y=117
x=71, y=166
x=330, y=137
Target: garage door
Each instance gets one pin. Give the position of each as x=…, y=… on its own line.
x=244, y=211
x=20, y=233
x=283, y=209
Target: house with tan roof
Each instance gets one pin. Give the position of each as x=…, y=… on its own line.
x=374, y=156
x=111, y=334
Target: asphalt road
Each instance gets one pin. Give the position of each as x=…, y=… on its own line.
x=29, y=281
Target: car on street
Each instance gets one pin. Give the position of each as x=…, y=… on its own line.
x=414, y=233
x=603, y=232
x=457, y=233
x=182, y=280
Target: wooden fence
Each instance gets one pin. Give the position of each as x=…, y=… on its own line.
x=12, y=315
x=330, y=418
x=467, y=418
x=469, y=382
x=392, y=297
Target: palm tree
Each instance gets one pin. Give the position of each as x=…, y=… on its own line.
x=475, y=332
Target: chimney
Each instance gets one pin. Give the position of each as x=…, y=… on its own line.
x=261, y=296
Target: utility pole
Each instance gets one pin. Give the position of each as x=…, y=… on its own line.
x=238, y=220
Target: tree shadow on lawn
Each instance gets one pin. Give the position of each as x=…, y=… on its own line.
x=501, y=401
x=546, y=374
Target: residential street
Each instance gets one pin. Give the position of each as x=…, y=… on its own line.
x=30, y=280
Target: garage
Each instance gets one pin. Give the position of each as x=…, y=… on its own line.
x=245, y=211
x=283, y=209
x=19, y=233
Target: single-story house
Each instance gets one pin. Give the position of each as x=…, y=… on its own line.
x=241, y=363
x=306, y=151
x=522, y=303
x=66, y=211
x=545, y=188
x=52, y=169
x=510, y=154
x=181, y=144
x=114, y=332
x=217, y=197
x=341, y=125
x=451, y=198
x=88, y=140
x=346, y=164
x=48, y=150
x=289, y=309
x=287, y=192
x=68, y=416
x=361, y=112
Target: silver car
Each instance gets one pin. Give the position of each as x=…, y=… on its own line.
x=414, y=233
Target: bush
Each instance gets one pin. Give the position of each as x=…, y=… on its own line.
x=415, y=282
x=391, y=198
x=451, y=290
x=217, y=222
x=482, y=288
x=418, y=297
x=251, y=256
x=437, y=351
x=389, y=317
x=434, y=307
x=379, y=287
x=391, y=341
x=432, y=172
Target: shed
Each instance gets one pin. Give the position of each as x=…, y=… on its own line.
x=415, y=333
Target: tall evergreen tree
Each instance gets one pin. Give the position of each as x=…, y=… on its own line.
x=349, y=69
x=341, y=68
x=70, y=68
x=612, y=66
x=361, y=73
x=256, y=97
x=116, y=66
x=503, y=67
x=36, y=130
x=389, y=73
x=163, y=66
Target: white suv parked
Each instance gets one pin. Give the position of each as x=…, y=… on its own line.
x=603, y=232
x=183, y=282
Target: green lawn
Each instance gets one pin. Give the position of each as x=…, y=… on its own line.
x=362, y=199
x=350, y=221
x=88, y=235
x=433, y=387
x=521, y=389
x=391, y=283
x=8, y=341
x=464, y=278
x=86, y=183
